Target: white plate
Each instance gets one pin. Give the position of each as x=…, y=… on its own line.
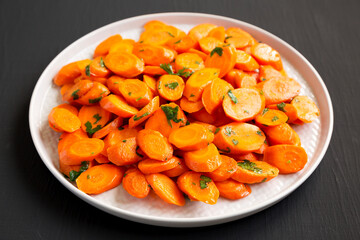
x=315, y=137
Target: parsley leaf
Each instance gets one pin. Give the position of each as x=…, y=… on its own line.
x=75, y=94
x=170, y=34
x=73, y=175
x=136, y=118
x=264, y=180
x=102, y=64
x=129, y=93
x=229, y=131
x=217, y=50
x=90, y=130
x=138, y=99
x=228, y=37
x=177, y=42
x=167, y=68
x=275, y=118
x=136, y=151
x=251, y=166
x=281, y=106
x=192, y=95
x=217, y=130
x=172, y=85
x=265, y=111
x=227, y=150
x=184, y=73
x=171, y=114
x=197, y=62
x=258, y=133
x=95, y=100
x=87, y=70
x=235, y=142
x=232, y=96
x=97, y=117
x=204, y=180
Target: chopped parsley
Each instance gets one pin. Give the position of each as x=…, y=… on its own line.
x=138, y=99
x=141, y=50
x=263, y=79
x=168, y=69
x=197, y=62
x=231, y=170
x=95, y=100
x=251, y=166
x=75, y=94
x=87, y=70
x=73, y=175
x=136, y=118
x=232, y=96
x=281, y=106
x=171, y=114
x=228, y=37
x=184, y=73
x=246, y=111
x=88, y=176
x=140, y=155
x=264, y=180
x=124, y=141
x=129, y=93
x=102, y=64
x=258, y=133
x=217, y=130
x=235, y=142
x=177, y=42
x=172, y=85
x=90, y=130
x=204, y=180
x=120, y=128
x=217, y=50
x=265, y=111
x=261, y=92
x=227, y=150
x=171, y=35
x=229, y=131
x=275, y=118
x=97, y=117
x=192, y=95
x=193, y=183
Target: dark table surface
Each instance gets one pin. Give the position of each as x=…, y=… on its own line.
x=34, y=205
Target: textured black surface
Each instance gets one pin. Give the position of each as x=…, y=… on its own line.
x=34, y=205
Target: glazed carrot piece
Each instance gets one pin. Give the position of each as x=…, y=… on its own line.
x=287, y=158
x=208, y=126
x=266, y=55
x=306, y=109
x=166, y=119
x=267, y=72
x=223, y=58
x=206, y=159
x=113, y=83
x=170, y=87
x=225, y=171
x=239, y=138
x=117, y=135
x=118, y=106
x=254, y=172
x=63, y=120
x=160, y=35
x=189, y=106
x=154, y=24
x=149, y=166
x=103, y=132
x=263, y=147
x=144, y=113
x=67, y=169
x=65, y=87
x=182, y=44
x=154, y=145
x=166, y=189
x=242, y=104
x=239, y=38
x=195, y=85
x=151, y=83
x=68, y=138
x=69, y=107
x=279, y=90
x=191, y=137
x=154, y=70
x=134, y=182
x=240, y=79
x=125, y=45
x=100, y=178
x=207, y=44
x=153, y=54
x=271, y=117
x=218, y=33
x=245, y=61
x=82, y=66
x=124, y=152
x=288, y=109
x=135, y=92
x=96, y=93
x=198, y=187
x=200, y=31
x=97, y=68
x=179, y=169
x=124, y=64
x=199, y=53
x=248, y=156
x=93, y=118
x=204, y=116
x=214, y=94
x=103, y=48
x=282, y=134
x=232, y=189
x=101, y=159
x=67, y=74
x=188, y=62
x=77, y=90
x=85, y=149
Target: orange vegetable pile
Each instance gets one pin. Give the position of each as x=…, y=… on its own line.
x=202, y=114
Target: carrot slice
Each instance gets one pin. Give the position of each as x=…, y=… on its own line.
x=254, y=172
x=267, y=72
x=69, y=107
x=208, y=126
x=189, y=106
x=149, y=166
x=77, y=90
x=245, y=61
x=135, y=92
x=124, y=64
x=100, y=178
x=182, y=44
x=153, y=54
x=113, y=84
x=72, y=170
x=154, y=145
x=154, y=70
x=204, y=116
x=232, y=189
x=242, y=104
x=125, y=45
x=93, y=118
x=306, y=109
x=117, y=135
x=214, y=94
x=188, y=62
x=67, y=74
x=226, y=170
x=103, y=48
x=239, y=38
x=206, y=159
x=66, y=139
x=117, y=105
x=84, y=67
x=195, y=85
x=96, y=93
x=97, y=68
x=223, y=58
x=166, y=189
x=207, y=44
x=282, y=134
x=247, y=156
x=103, y=132
x=134, y=182
x=166, y=119
x=160, y=35
x=154, y=24
x=63, y=120
x=179, y=169
x=240, y=79
x=287, y=158
x=101, y=159
x=288, y=109
x=85, y=149
x=270, y=117
x=218, y=33
x=170, y=87
x=198, y=187
x=65, y=87
x=151, y=83
x=200, y=31
x=124, y=152
x=239, y=138
x=199, y=53
x=144, y=113
x=266, y=55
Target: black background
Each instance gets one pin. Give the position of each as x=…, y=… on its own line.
x=34, y=205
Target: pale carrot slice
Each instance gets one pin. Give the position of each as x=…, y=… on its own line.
x=66, y=139
x=124, y=152
x=113, y=83
x=117, y=135
x=154, y=145
x=77, y=90
x=218, y=33
x=135, y=92
x=254, y=172
x=96, y=93
x=182, y=44
x=282, y=134
x=226, y=170
x=63, y=120
x=200, y=31
x=149, y=166
x=206, y=159
x=170, y=87
x=266, y=55
x=271, y=117
x=118, y=106
x=245, y=61
x=188, y=63
x=153, y=54
x=306, y=109
x=151, y=83
x=232, y=189
x=189, y=106
x=83, y=150
x=207, y=44
x=125, y=45
x=135, y=183
x=144, y=113
x=199, y=53
x=124, y=64
x=239, y=38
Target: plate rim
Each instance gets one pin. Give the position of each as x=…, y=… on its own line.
x=187, y=221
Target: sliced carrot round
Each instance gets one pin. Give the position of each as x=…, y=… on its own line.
x=189, y=106
x=135, y=92
x=188, y=62
x=223, y=58
x=254, y=172
x=154, y=54
x=67, y=74
x=206, y=159
x=134, y=182
x=207, y=44
x=179, y=169
x=93, y=118
x=154, y=145
x=125, y=45
x=200, y=31
x=124, y=64
x=118, y=106
x=103, y=48
x=124, y=152
x=83, y=150
x=62, y=120
x=68, y=138
x=280, y=90
x=232, y=189
x=270, y=117
x=118, y=134
x=144, y=113
x=239, y=38
x=170, y=87
x=282, y=134
x=245, y=61
x=266, y=55
x=96, y=93
x=149, y=166
x=97, y=68
x=218, y=33
x=77, y=90
x=306, y=109
x=113, y=83
x=214, y=94
x=151, y=83
x=103, y=132
x=287, y=108
x=182, y=44
x=226, y=170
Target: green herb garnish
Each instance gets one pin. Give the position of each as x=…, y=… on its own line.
x=136, y=118
x=129, y=93
x=204, y=180
x=251, y=166
x=177, y=42
x=95, y=100
x=227, y=150
x=229, y=131
x=102, y=64
x=90, y=130
x=171, y=35
x=75, y=94
x=258, y=133
x=140, y=155
x=217, y=50
x=192, y=95
x=171, y=114
x=97, y=117
x=217, y=130
x=87, y=70
x=138, y=99
x=232, y=96
x=265, y=111
x=197, y=62
x=73, y=175
x=228, y=37
x=275, y=118
x=235, y=142
x=172, y=85
x=281, y=106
